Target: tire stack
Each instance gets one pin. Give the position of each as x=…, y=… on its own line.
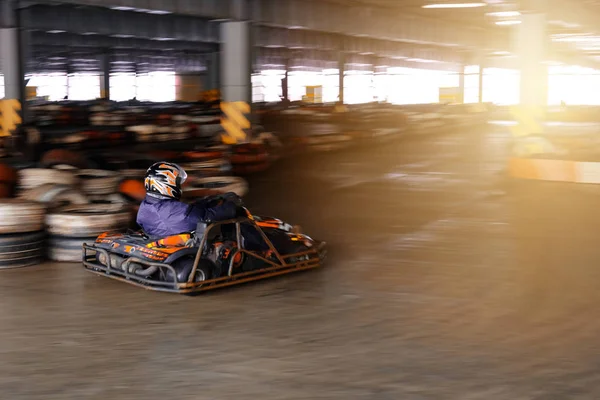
x=200, y=187
x=210, y=162
x=8, y=181
x=249, y=158
x=21, y=233
x=69, y=227
x=100, y=186
x=30, y=178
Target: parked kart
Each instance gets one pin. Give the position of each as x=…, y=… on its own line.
x=215, y=255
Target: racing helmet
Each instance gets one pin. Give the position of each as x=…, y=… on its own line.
x=164, y=179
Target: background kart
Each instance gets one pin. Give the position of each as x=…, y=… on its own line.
x=221, y=254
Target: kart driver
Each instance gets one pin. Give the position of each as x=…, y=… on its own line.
x=161, y=213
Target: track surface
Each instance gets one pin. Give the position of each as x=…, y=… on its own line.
x=436, y=288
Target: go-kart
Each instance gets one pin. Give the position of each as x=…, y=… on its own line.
x=217, y=254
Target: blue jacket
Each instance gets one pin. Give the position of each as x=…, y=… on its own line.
x=160, y=218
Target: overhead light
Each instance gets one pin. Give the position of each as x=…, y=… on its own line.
x=454, y=5
x=508, y=22
x=504, y=14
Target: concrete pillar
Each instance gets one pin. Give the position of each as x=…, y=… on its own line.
x=10, y=57
x=341, y=69
x=461, y=84
x=235, y=62
x=211, y=78
x=284, y=82
x=480, y=85
x=105, y=77
x=530, y=44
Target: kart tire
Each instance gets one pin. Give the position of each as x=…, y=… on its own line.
x=18, y=216
x=183, y=268
x=22, y=250
x=33, y=177
x=87, y=221
x=54, y=195
x=216, y=185
x=99, y=182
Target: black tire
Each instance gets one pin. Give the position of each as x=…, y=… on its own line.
x=67, y=249
x=21, y=250
x=183, y=268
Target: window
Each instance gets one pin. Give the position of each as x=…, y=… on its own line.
x=359, y=87
x=471, y=92
x=84, y=86
x=156, y=86
x=266, y=85
x=53, y=85
x=501, y=86
x=123, y=86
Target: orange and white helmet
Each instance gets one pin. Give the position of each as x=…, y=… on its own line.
x=164, y=180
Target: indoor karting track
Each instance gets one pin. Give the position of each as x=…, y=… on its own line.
x=438, y=287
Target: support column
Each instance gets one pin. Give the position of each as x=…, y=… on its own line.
x=461, y=84
x=530, y=43
x=235, y=62
x=211, y=80
x=480, y=76
x=10, y=58
x=105, y=78
x=284, y=82
x=341, y=69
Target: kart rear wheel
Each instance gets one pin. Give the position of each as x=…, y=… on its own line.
x=183, y=268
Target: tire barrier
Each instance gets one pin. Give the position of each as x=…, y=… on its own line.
x=249, y=158
x=56, y=157
x=19, y=216
x=54, y=195
x=96, y=182
x=22, y=249
x=8, y=181
x=217, y=167
x=71, y=226
x=201, y=187
x=33, y=177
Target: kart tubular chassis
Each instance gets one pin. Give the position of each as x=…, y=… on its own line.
x=316, y=256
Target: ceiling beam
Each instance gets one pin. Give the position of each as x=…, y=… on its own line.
x=317, y=15
x=124, y=24
x=67, y=40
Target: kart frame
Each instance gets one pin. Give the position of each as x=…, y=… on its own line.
x=281, y=267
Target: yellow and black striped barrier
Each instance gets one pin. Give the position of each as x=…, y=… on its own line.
x=235, y=121
x=10, y=117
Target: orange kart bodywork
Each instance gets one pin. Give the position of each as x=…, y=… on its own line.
x=214, y=256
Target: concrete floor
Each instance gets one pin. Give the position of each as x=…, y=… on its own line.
x=437, y=288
